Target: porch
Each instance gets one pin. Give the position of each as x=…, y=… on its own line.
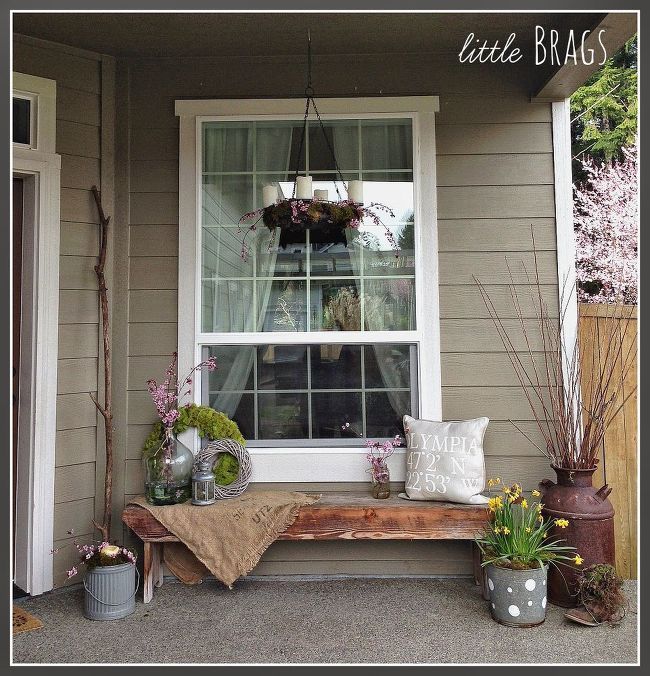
x=397, y=620
x=496, y=169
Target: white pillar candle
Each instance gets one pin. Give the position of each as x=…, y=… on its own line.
x=304, y=189
x=269, y=195
x=355, y=191
x=322, y=195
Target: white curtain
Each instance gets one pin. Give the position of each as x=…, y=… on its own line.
x=383, y=146
x=269, y=145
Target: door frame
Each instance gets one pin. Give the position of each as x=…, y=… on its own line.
x=35, y=466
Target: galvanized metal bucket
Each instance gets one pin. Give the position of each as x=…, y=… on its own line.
x=110, y=591
x=517, y=597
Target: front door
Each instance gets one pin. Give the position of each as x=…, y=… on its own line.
x=17, y=263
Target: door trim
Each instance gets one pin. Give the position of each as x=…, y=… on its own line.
x=35, y=467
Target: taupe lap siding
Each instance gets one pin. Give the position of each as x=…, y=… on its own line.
x=78, y=134
x=495, y=185
x=496, y=196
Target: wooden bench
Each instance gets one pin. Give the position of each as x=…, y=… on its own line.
x=345, y=516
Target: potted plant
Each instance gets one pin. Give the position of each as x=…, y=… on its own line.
x=209, y=424
x=327, y=221
x=517, y=548
x=574, y=395
x=109, y=581
x=377, y=456
x=110, y=578
x=168, y=464
x=600, y=590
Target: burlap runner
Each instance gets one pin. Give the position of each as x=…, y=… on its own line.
x=229, y=537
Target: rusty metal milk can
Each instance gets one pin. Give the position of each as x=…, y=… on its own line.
x=591, y=528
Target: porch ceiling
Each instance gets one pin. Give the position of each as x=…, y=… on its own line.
x=148, y=35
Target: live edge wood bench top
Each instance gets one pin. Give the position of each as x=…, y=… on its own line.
x=341, y=515
x=349, y=516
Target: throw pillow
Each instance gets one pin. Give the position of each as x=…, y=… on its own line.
x=444, y=460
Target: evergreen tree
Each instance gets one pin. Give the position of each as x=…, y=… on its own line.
x=604, y=109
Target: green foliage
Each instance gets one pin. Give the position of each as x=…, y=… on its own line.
x=328, y=214
x=600, y=590
x=406, y=237
x=604, y=110
x=518, y=537
x=225, y=469
x=208, y=423
x=104, y=560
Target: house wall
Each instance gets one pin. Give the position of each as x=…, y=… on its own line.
x=82, y=80
x=495, y=181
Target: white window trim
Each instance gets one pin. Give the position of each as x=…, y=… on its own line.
x=42, y=93
x=41, y=170
x=296, y=464
x=565, y=240
x=565, y=234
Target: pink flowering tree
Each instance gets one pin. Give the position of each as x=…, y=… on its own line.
x=605, y=216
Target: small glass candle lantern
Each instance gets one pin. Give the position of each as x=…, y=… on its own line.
x=203, y=484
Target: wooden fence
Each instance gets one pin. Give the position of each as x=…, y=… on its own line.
x=618, y=465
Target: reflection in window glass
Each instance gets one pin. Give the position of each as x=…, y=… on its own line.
x=22, y=118
x=327, y=391
x=307, y=281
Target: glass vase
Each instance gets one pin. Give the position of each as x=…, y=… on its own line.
x=168, y=472
x=381, y=484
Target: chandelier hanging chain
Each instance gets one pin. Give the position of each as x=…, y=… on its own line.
x=309, y=95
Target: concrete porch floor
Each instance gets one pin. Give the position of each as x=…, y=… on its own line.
x=397, y=620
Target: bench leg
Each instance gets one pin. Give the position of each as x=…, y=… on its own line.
x=157, y=563
x=479, y=571
x=150, y=574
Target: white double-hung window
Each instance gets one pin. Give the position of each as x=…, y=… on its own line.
x=320, y=342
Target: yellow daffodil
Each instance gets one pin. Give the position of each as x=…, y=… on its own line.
x=506, y=490
x=497, y=529
x=512, y=498
x=497, y=480
x=529, y=529
x=524, y=503
x=578, y=560
x=539, y=506
x=495, y=503
x=490, y=482
x=561, y=523
x=505, y=530
x=536, y=494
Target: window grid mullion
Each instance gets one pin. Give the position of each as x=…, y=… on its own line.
x=310, y=422
x=362, y=258
x=256, y=314
x=256, y=421
x=364, y=426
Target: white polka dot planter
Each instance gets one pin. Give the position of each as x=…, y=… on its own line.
x=517, y=597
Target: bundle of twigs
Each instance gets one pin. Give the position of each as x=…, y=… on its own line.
x=571, y=409
x=600, y=590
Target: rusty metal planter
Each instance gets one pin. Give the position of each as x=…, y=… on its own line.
x=591, y=528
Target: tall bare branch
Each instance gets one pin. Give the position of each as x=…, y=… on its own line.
x=106, y=409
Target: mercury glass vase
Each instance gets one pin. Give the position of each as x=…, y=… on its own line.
x=168, y=472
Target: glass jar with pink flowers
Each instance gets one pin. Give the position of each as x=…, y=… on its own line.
x=378, y=454
x=168, y=466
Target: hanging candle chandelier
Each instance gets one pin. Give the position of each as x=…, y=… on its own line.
x=309, y=209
